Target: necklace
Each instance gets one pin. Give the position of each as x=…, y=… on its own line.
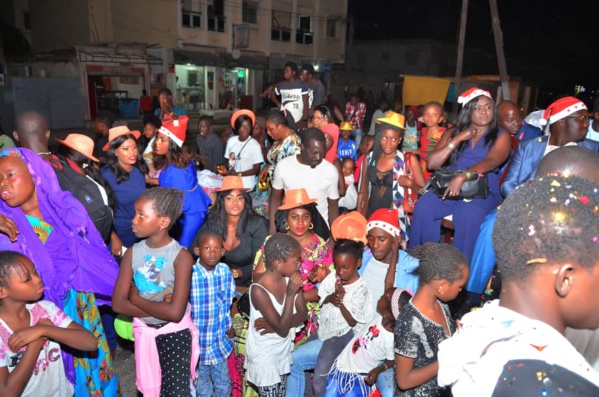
x=43, y=153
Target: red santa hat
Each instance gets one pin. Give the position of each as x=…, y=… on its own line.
x=472, y=93
x=561, y=108
x=385, y=219
x=175, y=129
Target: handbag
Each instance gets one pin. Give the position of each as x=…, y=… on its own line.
x=474, y=188
x=410, y=195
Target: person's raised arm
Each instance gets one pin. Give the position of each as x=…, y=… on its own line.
x=120, y=295
x=445, y=147
x=333, y=209
x=74, y=336
x=174, y=309
x=280, y=324
x=9, y=227
x=363, y=193
x=394, y=258
x=301, y=310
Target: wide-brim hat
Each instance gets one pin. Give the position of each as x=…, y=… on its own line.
x=81, y=143
x=242, y=112
x=345, y=126
x=116, y=132
x=296, y=198
x=393, y=118
x=232, y=182
x=350, y=226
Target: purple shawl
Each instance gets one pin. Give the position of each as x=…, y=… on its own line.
x=84, y=263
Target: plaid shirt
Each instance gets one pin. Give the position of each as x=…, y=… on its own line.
x=355, y=114
x=211, y=296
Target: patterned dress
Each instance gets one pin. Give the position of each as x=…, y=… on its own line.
x=427, y=146
x=280, y=150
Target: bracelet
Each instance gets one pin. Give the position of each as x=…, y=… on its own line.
x=451, y=145
x=385, y=366
x=468, y=174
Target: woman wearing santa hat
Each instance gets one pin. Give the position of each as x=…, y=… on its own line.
x=475, y=147
x=178, y=171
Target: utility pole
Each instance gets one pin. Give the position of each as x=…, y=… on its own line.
x=460, y=61
x=498, y=35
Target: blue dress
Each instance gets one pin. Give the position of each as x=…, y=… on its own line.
x=467, y=215
x=195, y=204
x=126, y=193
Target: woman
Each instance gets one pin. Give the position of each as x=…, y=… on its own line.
x=125, y=171
x=383, y=180
x=242, y=228
x=475, y=147
x=146, y=142
x=178, y=171
x=78, y=272
x=244, y=152
x=285, y=141
x=299, y=218
x=321, y=119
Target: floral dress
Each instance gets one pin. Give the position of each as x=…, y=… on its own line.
x=279, y=150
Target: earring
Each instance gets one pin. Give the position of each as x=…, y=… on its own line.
x=311, y=226
x=286, y=225
x=278, y=268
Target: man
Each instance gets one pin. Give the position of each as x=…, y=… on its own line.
x=355, y=110
x=509, y=118
x=548, y=262
x=168, y=111
x=145, y=105
x=293, y=94
x=104, y=121
x=307, y=170
x=378, y=114
x=33, y=133
x=568, y=122
x=317, y=92
x=210, y=147
x=593, y=132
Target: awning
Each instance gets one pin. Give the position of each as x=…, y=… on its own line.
x=225, y=60
x=246, y=61
x=184, y=57
x=116, y=57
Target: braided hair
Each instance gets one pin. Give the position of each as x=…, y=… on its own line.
x=349, y=247
x=439, y=261
x=10, y=261
x=167, y=202
x=280, y=247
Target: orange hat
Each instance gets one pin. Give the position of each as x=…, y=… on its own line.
x=243, y=112
x=116, y=132
x=296, y=198
x=175, y=129
x=351, y=226
x=232, y=182
x=81, y=143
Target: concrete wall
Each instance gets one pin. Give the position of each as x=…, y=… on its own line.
x=155, y=22
x=59, y=24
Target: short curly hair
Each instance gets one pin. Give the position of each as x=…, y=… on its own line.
x=439, y=261
x=280, y=247
x=551, y=219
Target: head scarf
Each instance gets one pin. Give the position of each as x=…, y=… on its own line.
x=83, y=263
x=415, y=110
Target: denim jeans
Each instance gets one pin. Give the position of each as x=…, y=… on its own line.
x=357, y=136
x=213, y=378
x=318, y=355
x=386, y=382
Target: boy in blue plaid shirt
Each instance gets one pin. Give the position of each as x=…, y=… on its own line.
x=211, y=296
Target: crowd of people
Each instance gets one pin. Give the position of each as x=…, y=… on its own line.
x=342, y=287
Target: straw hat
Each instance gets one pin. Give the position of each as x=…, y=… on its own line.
x=232, y=182
x=242, y=112
x=81, y=143
x=392, y=118
x=351, y=226
x=296, y=198
x=116, y=132
x=345, y=126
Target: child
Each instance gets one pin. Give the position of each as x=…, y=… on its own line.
x=346, y=147
x=30, y=358
x=545, y=240
x=345, y=308
x=410, y=137
x=370, y=353
x=350, y=199
x=212, y=292
x=276, y=304
x=153, y=287
x=431, y=134
x=426, y=321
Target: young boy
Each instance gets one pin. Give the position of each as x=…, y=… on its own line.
x=211, y=295
x=545, y=239
x=350, y=200
x=346, y=147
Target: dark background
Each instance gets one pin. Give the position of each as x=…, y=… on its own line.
x=545, y=42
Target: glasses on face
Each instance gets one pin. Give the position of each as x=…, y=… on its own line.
x=582, y=118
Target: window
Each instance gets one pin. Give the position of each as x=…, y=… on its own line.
x=249, y=12
x=26, y=21
x=216, y=16
x=304, y=23
x=281, y=21
x=304, y=33
x=332, y=27
x=190, y=16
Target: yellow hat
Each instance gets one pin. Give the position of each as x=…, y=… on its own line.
x=345, y=126
x=394, y=119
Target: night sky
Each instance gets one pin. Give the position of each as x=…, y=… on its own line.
x=545, y=42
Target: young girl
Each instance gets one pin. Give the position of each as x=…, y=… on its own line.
x=177, y=170
x=431, y=134
x=31, y=333
x=426, y=321
x=277, y=305
x=153, y=287
x=369, y=353
x=345, y=308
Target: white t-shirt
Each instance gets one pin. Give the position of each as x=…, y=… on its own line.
x=320, y=182
x=350, y=200
x=48, y=377
x=368, y=349
x=331, y=320
x=375, y=278
x=242, y=156
x=592, y=134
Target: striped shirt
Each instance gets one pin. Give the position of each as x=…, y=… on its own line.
x=211, y=296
